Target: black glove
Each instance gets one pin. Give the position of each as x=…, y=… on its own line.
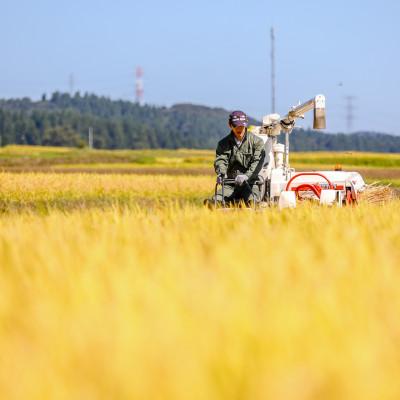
x=240, y=179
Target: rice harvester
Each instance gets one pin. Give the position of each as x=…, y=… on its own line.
x=280, y=184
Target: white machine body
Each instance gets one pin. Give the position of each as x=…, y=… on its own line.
x=283, y=183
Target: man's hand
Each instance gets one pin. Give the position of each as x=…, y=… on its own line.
x=240, y=179
x=220, y=178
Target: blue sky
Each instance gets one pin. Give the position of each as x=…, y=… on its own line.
x=207, y=52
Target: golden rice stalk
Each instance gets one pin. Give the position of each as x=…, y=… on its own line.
x=378, y=194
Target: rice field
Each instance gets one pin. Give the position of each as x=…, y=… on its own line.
x=43, y=192
x=373, y=166
x=123, y=286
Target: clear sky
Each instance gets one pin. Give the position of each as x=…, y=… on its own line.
x=208, y=52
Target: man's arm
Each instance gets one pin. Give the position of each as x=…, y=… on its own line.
x=257, y=160
x=221, y=159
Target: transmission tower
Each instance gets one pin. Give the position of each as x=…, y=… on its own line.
x=139, y=89
x=349, y=112
x=71, y=84
x=272, y=70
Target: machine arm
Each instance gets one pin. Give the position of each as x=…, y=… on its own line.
x=273, y=123
x=317, y=104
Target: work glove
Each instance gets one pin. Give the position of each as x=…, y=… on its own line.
x=220, y=178
x=240, y=179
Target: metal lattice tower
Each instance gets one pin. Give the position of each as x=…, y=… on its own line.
x=71, y=84
x=139, y=88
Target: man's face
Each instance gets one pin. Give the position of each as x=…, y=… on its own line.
x=238, y=131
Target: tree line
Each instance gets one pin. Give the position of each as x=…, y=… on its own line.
x=64, y=120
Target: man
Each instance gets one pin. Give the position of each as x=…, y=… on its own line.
x=239, y=156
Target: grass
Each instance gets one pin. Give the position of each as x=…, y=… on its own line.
x=34, y=155
x=182, y=302
x=14, y=155
x=392, y=182
x=358, y=159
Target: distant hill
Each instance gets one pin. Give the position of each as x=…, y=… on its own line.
x=64, y=120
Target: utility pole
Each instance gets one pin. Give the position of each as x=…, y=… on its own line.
x=349, y=112
x=90, y=138
x=272, y=70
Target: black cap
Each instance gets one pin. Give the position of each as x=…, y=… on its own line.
x=238, y=118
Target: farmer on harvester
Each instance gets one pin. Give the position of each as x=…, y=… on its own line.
x=239, y=156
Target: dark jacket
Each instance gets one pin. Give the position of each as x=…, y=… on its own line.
x=247, y=158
